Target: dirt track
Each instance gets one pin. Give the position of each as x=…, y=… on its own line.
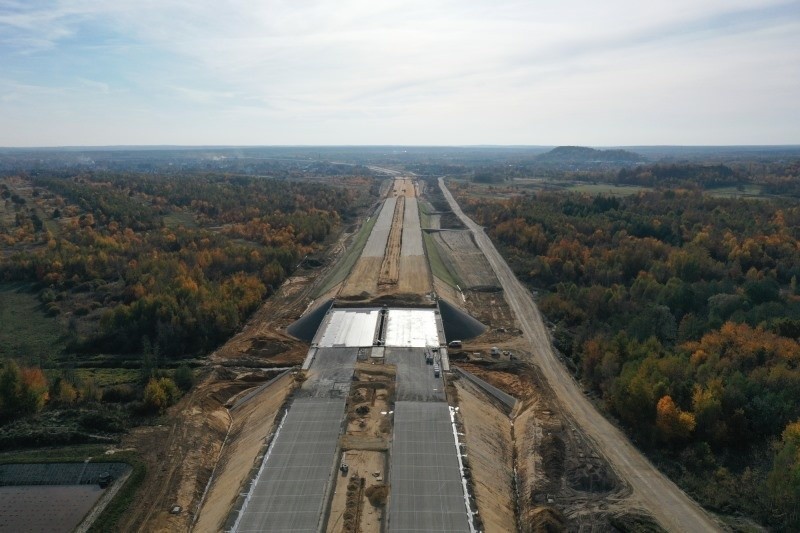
x=670, y=506
x=390, y=266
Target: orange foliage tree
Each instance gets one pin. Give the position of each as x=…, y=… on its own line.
x=673, y=424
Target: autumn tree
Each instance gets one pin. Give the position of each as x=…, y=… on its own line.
x=62, y=392
x=160, y=393
x=674, y=425
x=23, y=390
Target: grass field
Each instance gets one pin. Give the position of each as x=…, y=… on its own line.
x=748, y=191
x=424, y=216
x=179, y=218
x=605, y=188
x=506, y=190
x=105, y=377
x=438, y=267
x=26, y=332
x=347, y=262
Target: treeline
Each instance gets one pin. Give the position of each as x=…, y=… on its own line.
x=672, y=175
x=179, y=260
x=681, y=313
x=769, y=177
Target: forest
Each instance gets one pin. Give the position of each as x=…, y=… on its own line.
x=680, y=314
x=146, y=272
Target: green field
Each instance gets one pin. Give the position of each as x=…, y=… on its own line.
x=177, y=219
x=747, y=191
x=106, y=377
x=606, y=188
x=438, y=268
x=424, y=216
x=26, y=333
x=346, y=263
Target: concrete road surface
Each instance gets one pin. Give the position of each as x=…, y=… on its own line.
x=669, y=505
x=415, y=379
x=426, y=491
x=289, y=493
x=412, y=232
x=376, y=243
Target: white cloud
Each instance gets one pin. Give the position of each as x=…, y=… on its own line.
x=438, y=71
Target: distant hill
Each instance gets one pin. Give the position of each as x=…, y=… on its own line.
x=582, y=155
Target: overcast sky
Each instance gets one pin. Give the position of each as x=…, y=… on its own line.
x=616, y=72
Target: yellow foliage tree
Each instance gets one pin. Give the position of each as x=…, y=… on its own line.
x=673, y=424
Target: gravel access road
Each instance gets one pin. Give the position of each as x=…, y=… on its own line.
x=668, y=504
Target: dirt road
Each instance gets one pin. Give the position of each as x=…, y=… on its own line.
x=673, y=509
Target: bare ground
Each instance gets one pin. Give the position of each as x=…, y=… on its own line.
x=180, y=456
x=365, y=445
x=561, y=478
x=251, y=423
x=415, y=277
x=353, y=506
x=390, y=267
x=449, y=293
x=490, y=452
x=363, y=279
x=462, y=257
x=404, y=187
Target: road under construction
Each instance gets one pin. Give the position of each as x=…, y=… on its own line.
x=308, y=458
x=386, y=428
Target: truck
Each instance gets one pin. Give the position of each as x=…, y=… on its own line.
x=495, y=351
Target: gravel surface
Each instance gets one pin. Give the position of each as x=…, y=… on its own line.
x=412, y=232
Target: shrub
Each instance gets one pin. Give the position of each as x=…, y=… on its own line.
x=377, y=495
x=101, y=421
x=63, y=393
x=160, y=393
x=184, y=377
x=119, y=394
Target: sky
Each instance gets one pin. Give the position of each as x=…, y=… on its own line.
x=411, y=72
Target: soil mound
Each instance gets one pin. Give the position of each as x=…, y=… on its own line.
x=553, y=456
x=590, y=477
x=457, y=323
x=263, y=347
x=544, y=519
x=306, y=327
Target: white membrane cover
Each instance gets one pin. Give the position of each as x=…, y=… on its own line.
x=350, y=328
x=411, y=328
